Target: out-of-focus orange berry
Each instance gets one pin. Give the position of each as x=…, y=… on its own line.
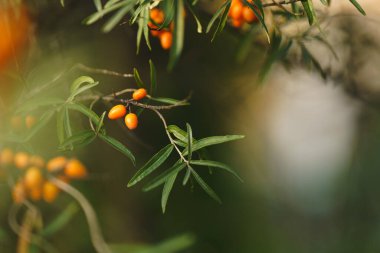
x=35, y=193
x=236, y=11
x=18, y=193
x=56, y=164
x=75, y=169
x=248, y=15
x=171, y=26
x=16, y=122
x=117, y=112
x=155, y=33
x=37, y=161
x=157, y=16
x=33, y=178
x=6, y=156
x=21, y=160
x=237, y=23
x=139, y=94
x=30, y=121
x=49, y=192
x=131, y=121
x=166, y=39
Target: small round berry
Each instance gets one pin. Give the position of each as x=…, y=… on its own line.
x=236, y=11
x=155, y=33
x=49, y=192
x=18, y=193
x=117, y=112
x=30, y=121
x=248, y=15
x=75, y=169
x=139, y=94
x=166, y=40
x=237, y=23
x=6, y=156
x=37, y=161
x=56, y=164
x=131, y=121
x=157, y=16
x=21, y=160
x=33, y=178
x=35, y=193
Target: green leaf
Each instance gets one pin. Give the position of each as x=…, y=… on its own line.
x=79, y=139
x=81, y=90
x=118, y=146
x=159, y=180
x=205, y=187
x=214, y=140
x=178, y=34
x=216, y=165
x=178, y=133
x=84, y=110
x=37, y=102
x=358, y=7
x=153, y=77
x=216, y=15
x=257, y=8
x=79, y=82
x=98, y=5
x=145, y=17
x=168, y=186
x=170, y=101
x=98, y=15
x=62, y=3
x=191, y=9
x=61, y=220
x=115, y=19
x=310, y=12
x=155, y=162
x=137, y=77
x=44, y=119
x=189, y=141
x=222, y=21
x=187, y=176
x=60, y=126
x=66, y=123
x=101, y=122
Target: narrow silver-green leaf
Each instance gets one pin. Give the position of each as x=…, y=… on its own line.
x=81, y=90
x=310, y=12
x=115, y=19
x=160, y=179
x=60, y=126
x=118, y=146
x=178, y=133
x=101, y=122
x=137, y=77
x=170, y=101
x=155, y=162
x=178, y=34
x=98, y=15
x=83, y=137
x=168, y=186
x=189, y=141
x=98, y=5
x=153, y=77
x=79, y=82
x=358, y=7
x=216, y=15
x=85, y=110
x=206, y=187
x=215, y=164
x=214, y=140
x=191, y=9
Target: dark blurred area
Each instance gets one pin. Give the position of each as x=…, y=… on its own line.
x=276, y=209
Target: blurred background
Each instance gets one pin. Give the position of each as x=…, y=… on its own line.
x=309, y=161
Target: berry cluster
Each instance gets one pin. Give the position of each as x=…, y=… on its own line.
x=240, y=14
x=19, y=122
x=165, y=35
x=119, y=111
x=32, y=174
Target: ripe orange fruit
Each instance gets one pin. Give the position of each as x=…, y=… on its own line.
x=155, y=33
x=35, y=193
x=237, y=23
x=75, y=169
x=56, y=164
x=236, y=11
x=117, y=112
x=157, y=16
x=37, y=161
x=49, y=192
x=30, y=121
x=131, y=121
x=139, y=94
x=18, y=193
x=21, y=160
x=33, y=178
x=248, y=15
x=6, y=156
x=166, y=39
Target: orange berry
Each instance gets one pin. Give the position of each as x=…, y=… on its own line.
x=6, y=156
x=131, y=121
x=30, y=121
x=33, y=178
x=37, y=161
x=171, y=26
x=75, y=169
x=248, y=15
x=49, y=191
x=139, y=94
x=236, y=11
x=157, y=16
x=64, y=178
x=18, y=193
x=16, y=122
x=35, y=193
x=117, y=112
x=237, y=23
x=166, y=39
x=21, y=160
x=155, y=33
x=56, y=164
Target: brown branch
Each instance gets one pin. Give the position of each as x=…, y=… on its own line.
x=277, y=3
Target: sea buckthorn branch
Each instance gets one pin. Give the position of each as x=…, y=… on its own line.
x=276, y=3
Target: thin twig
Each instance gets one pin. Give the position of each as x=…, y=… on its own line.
x=102, y=71
x=96, y=236
x=283, y=2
